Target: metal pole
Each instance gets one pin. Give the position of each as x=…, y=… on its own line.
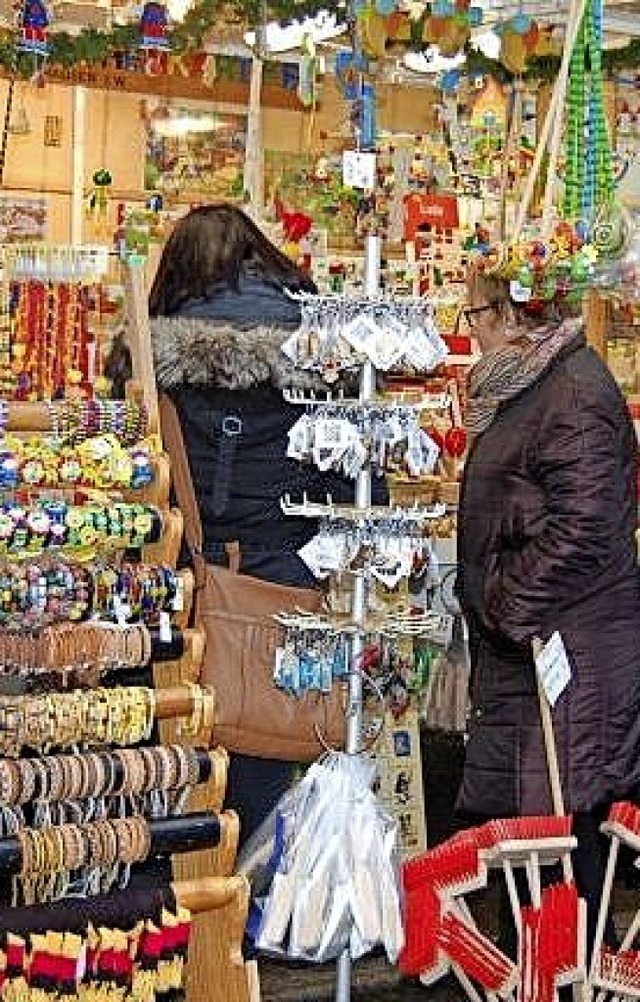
x=360, y=594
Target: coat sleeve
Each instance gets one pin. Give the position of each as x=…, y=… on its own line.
x=584, y=462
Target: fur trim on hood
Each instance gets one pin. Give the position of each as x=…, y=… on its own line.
x=195, y=352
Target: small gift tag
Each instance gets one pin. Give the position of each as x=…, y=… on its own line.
x=519, y=293
x=165, y=628
x=424, y=349
x=358, y=169
x=300, y=437
x=331, y=438
x=359, y=333
x=430, y=452
x=178, y=599
x=553, y=667
x=391, y=566
x=121, y=610
x=290, y=347
x=323, y=555
x=354, y=458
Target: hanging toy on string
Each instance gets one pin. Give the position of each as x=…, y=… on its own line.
x=98, y=199
x=154, y=40
x=34, y=21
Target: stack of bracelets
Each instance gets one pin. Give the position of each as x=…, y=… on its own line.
x=106, y=776
x=46, y=525
x=98, y=463
x=102, y=850
x=87, y=788
x=34, y=594
x=64, y=655
x=76, y=420
x=118, y=717
x=141, y=962
x=121, y=716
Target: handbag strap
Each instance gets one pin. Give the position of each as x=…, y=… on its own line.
x=185, y=491
x=182, y=482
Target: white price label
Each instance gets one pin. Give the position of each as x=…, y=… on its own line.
x=358, y=169
x=554, y=670
x=165, y=628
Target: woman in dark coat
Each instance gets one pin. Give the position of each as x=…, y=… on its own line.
x=220, y=314
x=547, y=524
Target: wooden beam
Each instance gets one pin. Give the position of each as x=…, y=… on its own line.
x=168, y=86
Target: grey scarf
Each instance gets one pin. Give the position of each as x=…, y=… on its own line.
x=504, y=372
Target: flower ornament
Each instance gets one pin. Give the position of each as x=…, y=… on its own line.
x=542, y=269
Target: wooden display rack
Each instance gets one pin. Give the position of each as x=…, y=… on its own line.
x=216, y=971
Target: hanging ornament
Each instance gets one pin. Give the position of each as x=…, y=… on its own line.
x=34, y=21
x=366, y=113
x=307, y=71
x=153, y=26
x=98, y=200
x=372, y=32
x=154, y=38
x=448, y=25
x=347, y=75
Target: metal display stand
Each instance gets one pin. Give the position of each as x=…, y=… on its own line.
x=359, y=600
x=373, y=521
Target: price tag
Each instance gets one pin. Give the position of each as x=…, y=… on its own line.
x=554, y=670
x=178, y=599
x=165, y=628
x=358, y=169
x=519, y=293
x=121, y=610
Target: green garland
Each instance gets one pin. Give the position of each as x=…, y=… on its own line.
x=544, y=69
x=92, y=46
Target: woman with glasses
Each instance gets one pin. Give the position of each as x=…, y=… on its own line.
x=547, y=525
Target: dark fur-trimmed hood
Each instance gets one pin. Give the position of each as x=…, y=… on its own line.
x=193, y=351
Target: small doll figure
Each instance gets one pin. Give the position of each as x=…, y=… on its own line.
x=34, y=21
x=153, y=26
x=155, y=43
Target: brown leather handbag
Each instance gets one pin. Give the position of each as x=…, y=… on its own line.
x=253, y=716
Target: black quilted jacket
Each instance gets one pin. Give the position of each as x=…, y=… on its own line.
x=546, y=542
x=226, y=382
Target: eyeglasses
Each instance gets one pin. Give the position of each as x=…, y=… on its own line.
x=469, y=312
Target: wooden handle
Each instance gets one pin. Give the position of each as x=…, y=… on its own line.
x=178, y=701
x=208, y=893
x=551, y=753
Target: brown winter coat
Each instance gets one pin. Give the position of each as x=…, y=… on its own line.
x=546, y=542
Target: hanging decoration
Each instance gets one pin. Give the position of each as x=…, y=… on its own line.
x=153, y=26
x=154, y=40
x=519, y=37
x=307, y=73
x=589, y=181
x=371, y=32
x=34, y=21
x=541, y=270
x=448, y=25
x=98, y=199
x=120, y=43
